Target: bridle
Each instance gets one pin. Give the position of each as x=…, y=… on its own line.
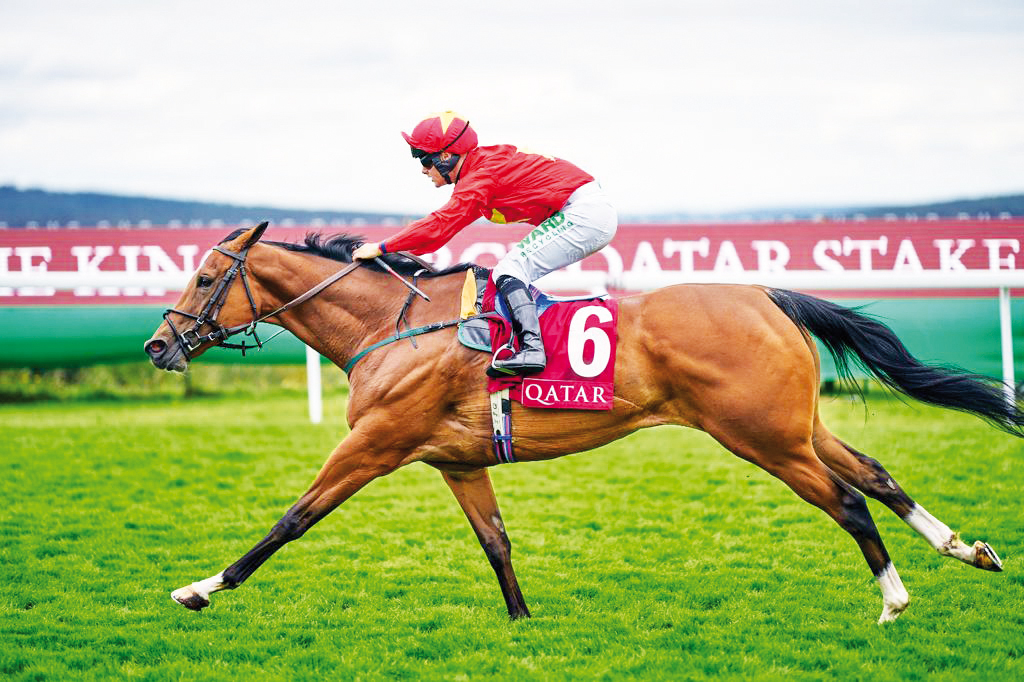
x=191, y=339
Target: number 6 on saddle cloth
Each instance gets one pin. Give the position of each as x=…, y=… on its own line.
x=579, y=335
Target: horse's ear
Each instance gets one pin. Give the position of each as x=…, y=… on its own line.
x=253, y=235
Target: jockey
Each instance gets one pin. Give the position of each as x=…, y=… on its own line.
x=504, y=184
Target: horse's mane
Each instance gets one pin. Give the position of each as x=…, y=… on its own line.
x=339, y=247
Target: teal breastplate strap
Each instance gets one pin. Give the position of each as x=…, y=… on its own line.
x=435, y=327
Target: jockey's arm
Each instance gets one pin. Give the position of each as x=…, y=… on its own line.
x=430, y=233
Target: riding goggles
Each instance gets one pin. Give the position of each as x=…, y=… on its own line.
x=426, y=158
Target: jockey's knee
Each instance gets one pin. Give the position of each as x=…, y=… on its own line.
x=510, y=267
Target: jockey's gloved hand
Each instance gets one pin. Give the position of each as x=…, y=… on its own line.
x=367, y=251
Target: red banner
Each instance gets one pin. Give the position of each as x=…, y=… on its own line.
x=945, y=245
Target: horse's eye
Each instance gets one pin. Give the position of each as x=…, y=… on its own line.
x=204, y=281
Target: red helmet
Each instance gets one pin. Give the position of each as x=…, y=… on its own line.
x=443, y=132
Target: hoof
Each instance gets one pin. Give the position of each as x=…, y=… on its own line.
x=891, y=612
x=986, y=558
x=190, y=599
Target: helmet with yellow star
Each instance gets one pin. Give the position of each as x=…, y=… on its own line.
x=443, y=132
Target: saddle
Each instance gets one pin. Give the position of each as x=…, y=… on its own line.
x=475, y=332
x=573, y=379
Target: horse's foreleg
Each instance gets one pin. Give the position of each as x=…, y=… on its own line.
x=353, y=464
x=476, y=497
x=868, y=476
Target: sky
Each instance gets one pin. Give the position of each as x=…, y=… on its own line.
x=675, y=105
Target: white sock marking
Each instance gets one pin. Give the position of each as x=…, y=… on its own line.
x=939, y=535
x=894, y=594
x=204, y=588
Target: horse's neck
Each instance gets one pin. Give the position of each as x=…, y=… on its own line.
x=337, y=321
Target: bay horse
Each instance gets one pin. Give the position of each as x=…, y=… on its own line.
x=737, y=362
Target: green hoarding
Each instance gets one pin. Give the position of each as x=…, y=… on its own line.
x=74, y=336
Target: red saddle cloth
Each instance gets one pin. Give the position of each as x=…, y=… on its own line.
x=580, y=337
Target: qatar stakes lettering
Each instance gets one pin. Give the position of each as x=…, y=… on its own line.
x=947, y=245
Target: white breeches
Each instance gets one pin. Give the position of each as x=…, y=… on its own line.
x=584, y=226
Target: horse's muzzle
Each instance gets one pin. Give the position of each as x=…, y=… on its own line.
x=165, y=355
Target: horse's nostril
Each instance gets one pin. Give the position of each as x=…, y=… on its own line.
x=155, y=347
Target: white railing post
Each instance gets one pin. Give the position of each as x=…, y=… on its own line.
x=1006, y=340
x=313, y=386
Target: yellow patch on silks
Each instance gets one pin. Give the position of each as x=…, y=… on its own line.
x=468, y=295
x=446, y=119
x=497, y=217
x=527, y=150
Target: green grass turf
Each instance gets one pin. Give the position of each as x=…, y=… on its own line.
x=658, y=557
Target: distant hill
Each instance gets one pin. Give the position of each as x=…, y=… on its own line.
x=36, y=207
x=1011, y=203
x=40, y=208
x=992, y=207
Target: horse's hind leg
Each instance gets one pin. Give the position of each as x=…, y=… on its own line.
x=809, y=478
x=868, y=476
x=476, y=497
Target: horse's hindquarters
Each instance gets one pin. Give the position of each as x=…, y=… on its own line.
x=718, y=358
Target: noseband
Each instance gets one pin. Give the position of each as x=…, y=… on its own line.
x=191, y=339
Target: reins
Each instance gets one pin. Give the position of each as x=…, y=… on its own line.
x=191, y=339
x=302, y=298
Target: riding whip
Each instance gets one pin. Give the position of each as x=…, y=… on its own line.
x=390, y=270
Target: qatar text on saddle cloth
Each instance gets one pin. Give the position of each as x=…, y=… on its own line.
x=580, y=337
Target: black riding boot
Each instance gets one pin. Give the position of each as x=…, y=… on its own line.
x=530, y=359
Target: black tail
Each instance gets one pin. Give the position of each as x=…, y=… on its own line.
x=880, y=352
